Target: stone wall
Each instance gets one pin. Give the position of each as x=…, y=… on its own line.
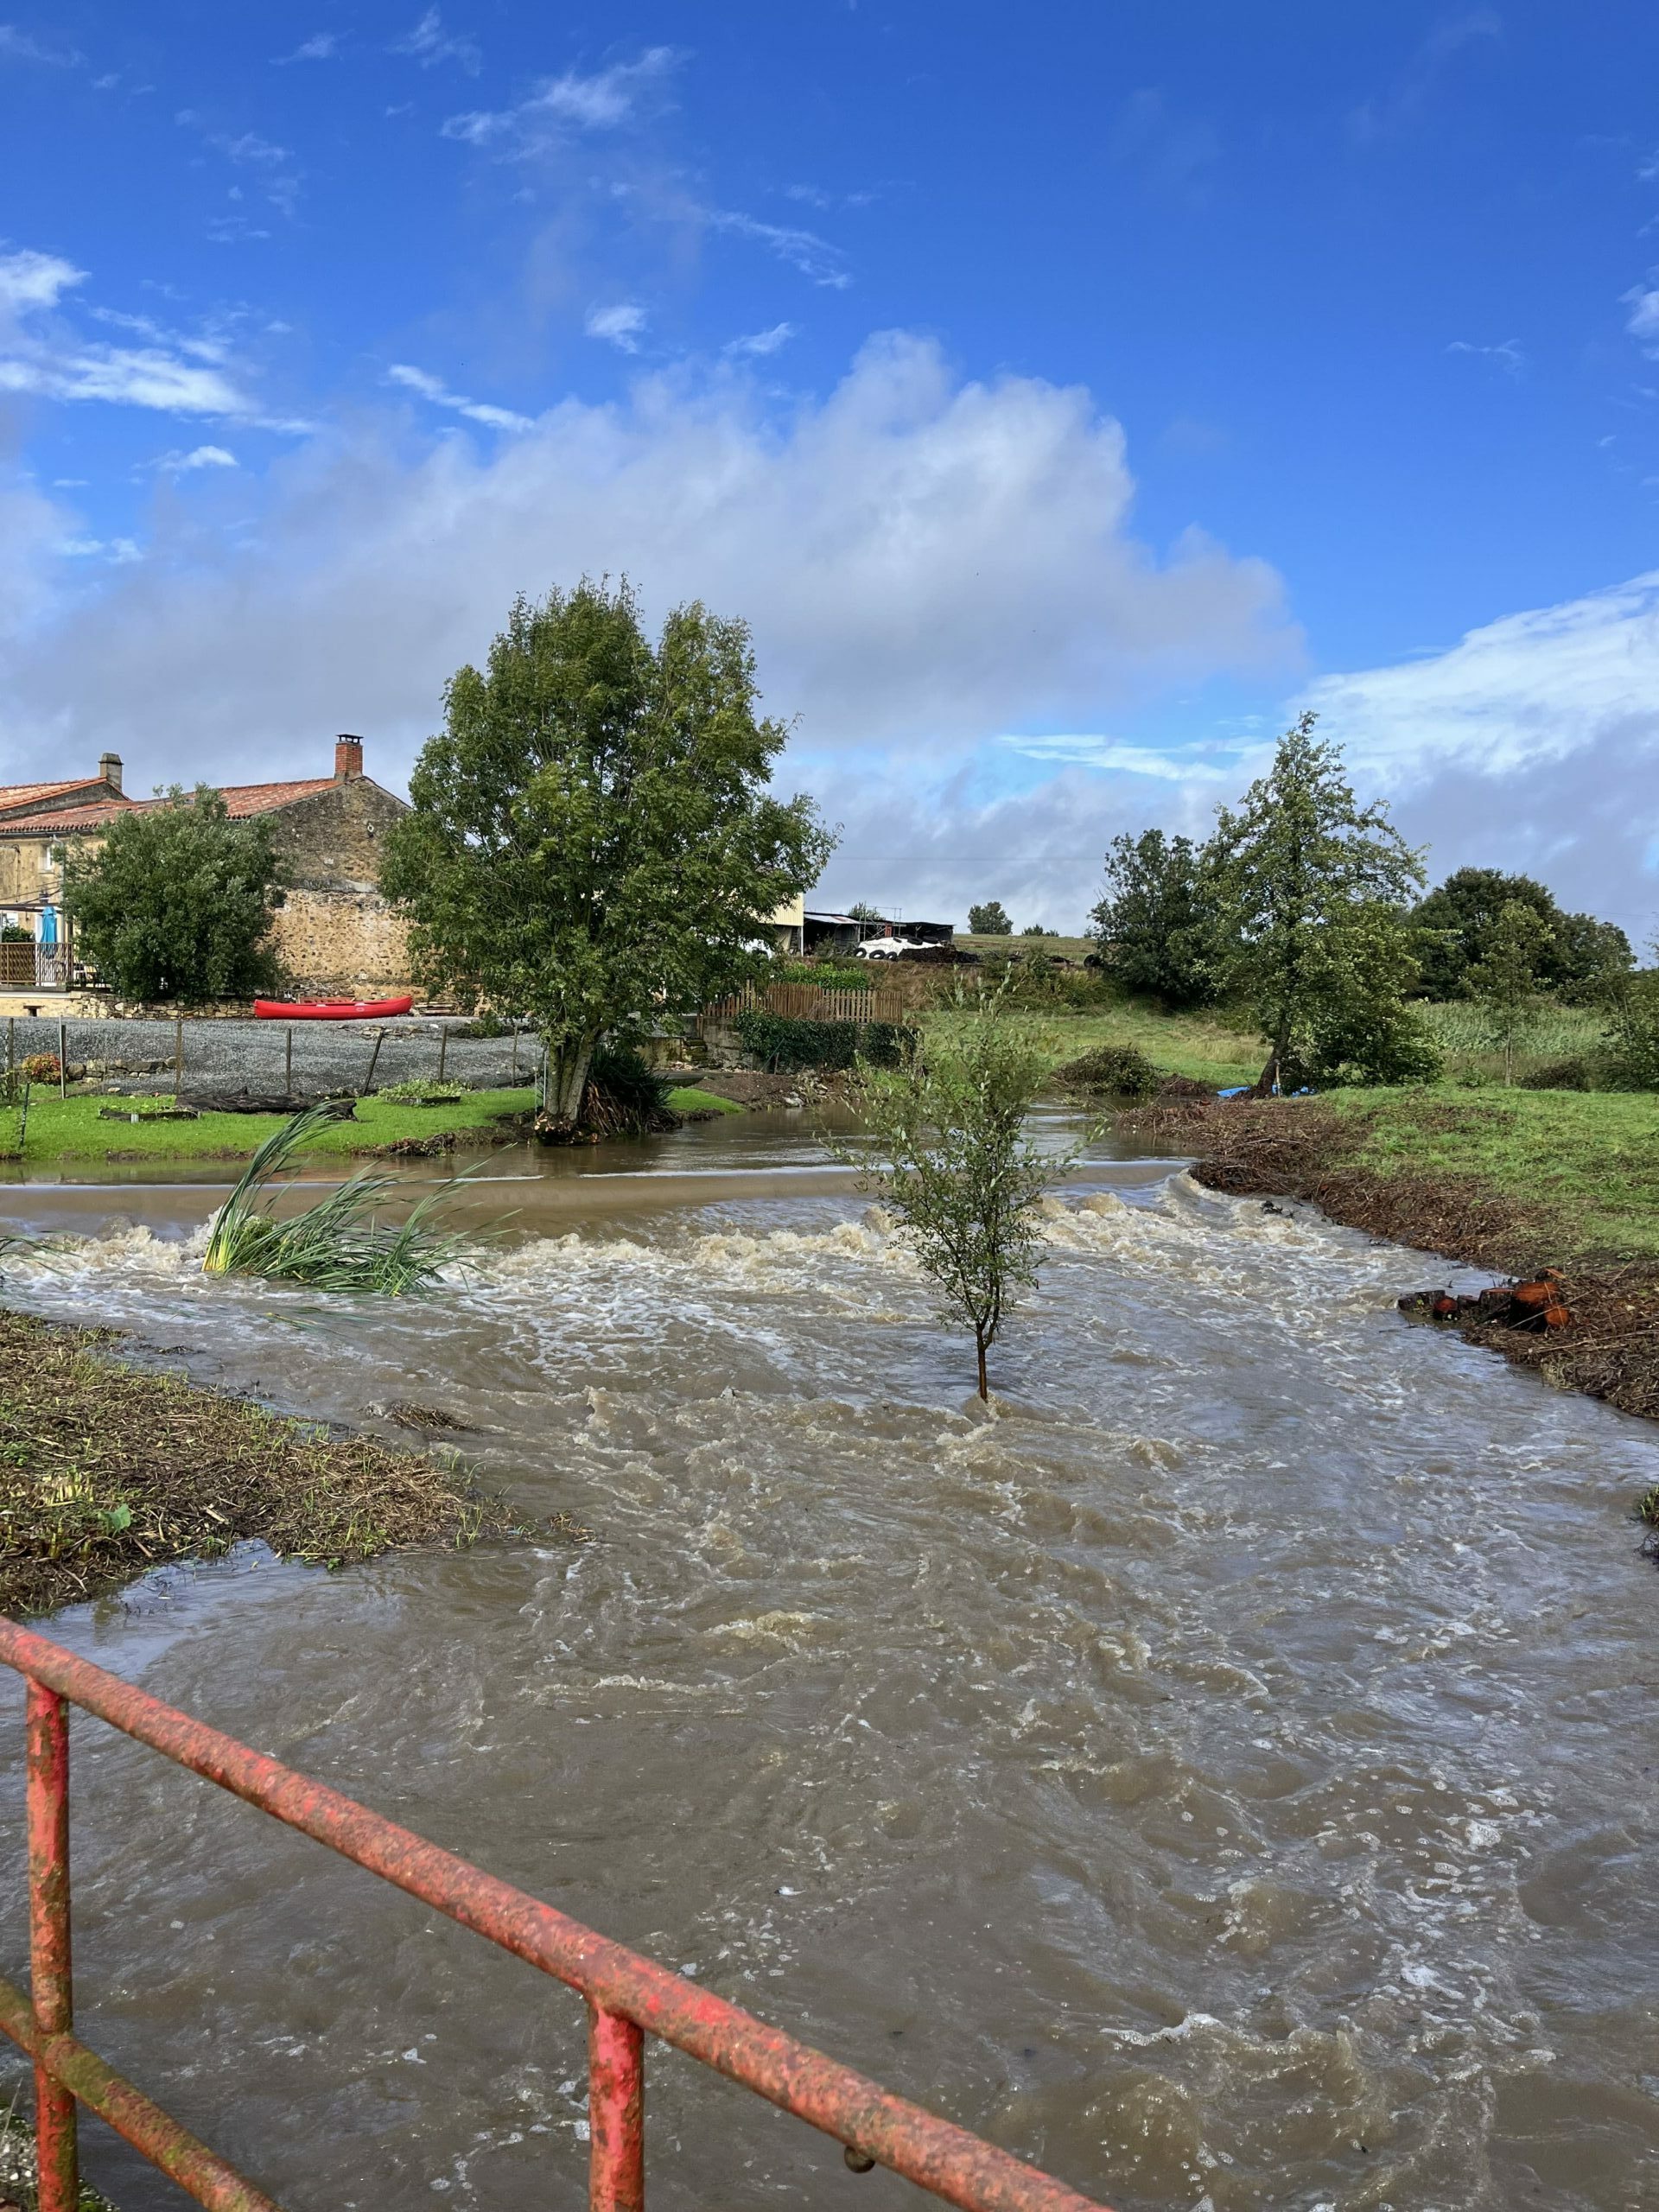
x=331, y=840
x=341, y=944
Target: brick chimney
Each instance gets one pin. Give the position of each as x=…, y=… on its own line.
x=348, y=758
x=109, y=766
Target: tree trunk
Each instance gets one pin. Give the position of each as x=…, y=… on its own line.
x=1270, y=1075
x=565, y=1080
x=979, y=1346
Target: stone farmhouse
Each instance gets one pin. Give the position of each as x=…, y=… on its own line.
x=334, y=935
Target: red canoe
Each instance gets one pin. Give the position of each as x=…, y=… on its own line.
x=329, y=1009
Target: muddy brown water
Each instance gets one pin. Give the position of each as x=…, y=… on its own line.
x=1226, y=1776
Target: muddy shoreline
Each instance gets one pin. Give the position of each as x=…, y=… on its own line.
x=1609, y=1349
x=108, y=1470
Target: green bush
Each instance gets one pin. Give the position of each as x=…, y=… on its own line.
x=1574, y=1074
x=1123, y=1070
x=1631, y=1059
x=780, y=1044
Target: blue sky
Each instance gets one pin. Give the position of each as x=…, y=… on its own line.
x=1066, y=394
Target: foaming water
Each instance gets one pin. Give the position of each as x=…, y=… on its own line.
x=1216, y=1773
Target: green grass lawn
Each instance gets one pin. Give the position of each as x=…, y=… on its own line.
x=1205, y=1046
x=688, y=1099
x=1588, y=1158
x=72, y=1128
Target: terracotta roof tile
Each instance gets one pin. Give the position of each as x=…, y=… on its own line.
x=260, y=798
x=240, y=800
x=65, y=817
x=16, y=795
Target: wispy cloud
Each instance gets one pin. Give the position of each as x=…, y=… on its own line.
x=19, y=45
x=324, y=47
x=429, y=43
x=1414, y=90
x=603, y=100
x=622, y=325
x=41, y=358
x=1100, y=752
x=182, y=464
x=1171, y=152
x=764, y=341
x=433, y=389
x=278, y=180
x=1507, y=356
x=814, y=257
x=1643, y=321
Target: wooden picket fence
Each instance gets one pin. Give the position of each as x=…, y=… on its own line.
x=809, y=1002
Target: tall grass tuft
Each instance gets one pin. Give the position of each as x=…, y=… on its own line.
x=340, y=1243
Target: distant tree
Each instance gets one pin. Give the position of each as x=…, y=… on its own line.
x=1156, y=925
x=593, y=842
x=989, y=920
x=1309, y=887
x=1590, y=960
x=1454, y=922
x=1582, y=960
x=1504, y=982
x=862, y=911
x=948, y=1157
x=176, y=901
x=1036, y=929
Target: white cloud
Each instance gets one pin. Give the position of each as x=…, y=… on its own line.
x=803, y=249
x=602, y=101
x=433, y=389
x=1092, y=751
x=18, y=46
x=41, y=358
x=1532, y=743
x=761, y=342
x=31, y=280
x=323, y=47
x=429, y=43
x=925, y=561
x=1643, y=321
x=1507, y=355
x=621, y=324
x=181, y=464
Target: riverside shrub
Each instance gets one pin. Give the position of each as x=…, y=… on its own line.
x=781, y=1043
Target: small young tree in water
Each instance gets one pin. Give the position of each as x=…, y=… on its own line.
x=948, y=1156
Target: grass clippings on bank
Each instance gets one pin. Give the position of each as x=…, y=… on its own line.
x=1511, y=1180
x=107, y=1470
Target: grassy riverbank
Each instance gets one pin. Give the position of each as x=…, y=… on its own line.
x=77, y=1128
x=107, y=1470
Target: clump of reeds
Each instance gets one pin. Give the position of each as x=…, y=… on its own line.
x=340, y=1243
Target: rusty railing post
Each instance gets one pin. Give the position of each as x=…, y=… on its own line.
x=616, y=2113
x=50, y=1983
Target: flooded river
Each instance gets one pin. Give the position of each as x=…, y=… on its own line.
x=1226, y=1776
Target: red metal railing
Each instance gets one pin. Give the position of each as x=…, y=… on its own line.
x=628, y=1996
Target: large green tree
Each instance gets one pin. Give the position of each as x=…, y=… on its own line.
x=1156, y=925
x=176, y=901
x=1311, y=889
x=594, y=843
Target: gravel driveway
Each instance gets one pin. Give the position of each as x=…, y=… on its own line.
x=253, y=1055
